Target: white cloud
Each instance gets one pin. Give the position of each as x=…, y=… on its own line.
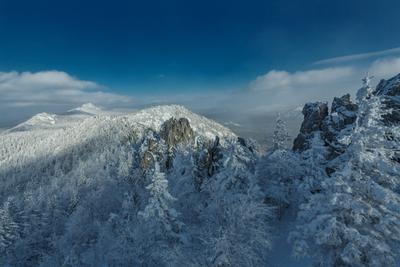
x=385, y=68
x=23, y=94
x=49, y=88
x=281, y=80
x=361, y=56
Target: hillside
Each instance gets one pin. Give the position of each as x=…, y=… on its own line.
x=150, y=187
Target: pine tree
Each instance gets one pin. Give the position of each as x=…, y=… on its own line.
x=281, y=136
x=159, y=205
x=8, y=228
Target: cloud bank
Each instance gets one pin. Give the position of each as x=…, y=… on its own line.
x=280, y=89
x=386, y=67
x=25, y=93
x=281, y=80
x=52, y=88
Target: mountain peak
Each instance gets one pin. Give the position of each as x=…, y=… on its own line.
x=40, y=120
x=89, y=108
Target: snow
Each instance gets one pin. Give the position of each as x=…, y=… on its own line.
x=388, y=84
x=48, y=134
x=79, y=187
x=41, y=120
x=88, y=108
x=91, y=187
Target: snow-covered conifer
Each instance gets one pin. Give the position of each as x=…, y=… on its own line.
x=159, y=205
x=8, y=228
x=353, y=219
x=281, y=135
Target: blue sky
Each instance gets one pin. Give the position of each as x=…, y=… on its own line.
x=133, y=46
x=152, y=50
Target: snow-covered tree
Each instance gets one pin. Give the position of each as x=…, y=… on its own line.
x=8, y=228
x=366, y=90
x=237, y=229
x=159, y=206
x=235, y=220
x=281, y=135
x=208, y=162
x=353, y=219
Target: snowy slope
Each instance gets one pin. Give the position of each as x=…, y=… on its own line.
x=47, y=134
x=160, y=186
x=87, y=108
x=39, y=121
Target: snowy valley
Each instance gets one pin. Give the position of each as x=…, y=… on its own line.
x=164, y=186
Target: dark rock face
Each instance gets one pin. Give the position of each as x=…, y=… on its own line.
x=346, y=109
x=150, y=153
x=314, y=115
x=389, y=87
x=316, y=119
x=389, y=90
x=248, y=143
x=175, y=131
x=343, y=114
x=343, y=103
x=208, y=163
x=299, y=143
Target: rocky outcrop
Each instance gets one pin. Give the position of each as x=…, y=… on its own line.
x=343, y=114
x=249, y=144
x=175, y=131
x=345, y=109
x=314, y=115
x=317, y=119
x=149, y=152
x=335, y=128
x=389, y=90
x=207, y=163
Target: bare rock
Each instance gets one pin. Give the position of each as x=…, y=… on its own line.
x=314, y=115
x=175, y=131
x=389, y=90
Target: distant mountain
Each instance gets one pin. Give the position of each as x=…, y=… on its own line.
x=41, y=120
x=87, y=108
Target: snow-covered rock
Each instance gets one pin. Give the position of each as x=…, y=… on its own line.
x=389, y=91
x=348, y=200
x=314, y=115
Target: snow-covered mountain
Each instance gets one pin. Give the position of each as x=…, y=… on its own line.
x=87, y=108
x=146, y=188
x=39, y=121
x=45, y=120
x=165, y=186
